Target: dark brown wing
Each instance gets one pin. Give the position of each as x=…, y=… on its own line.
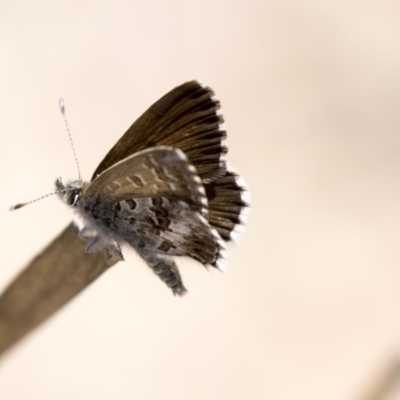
x=228, y=204
x=187, y=118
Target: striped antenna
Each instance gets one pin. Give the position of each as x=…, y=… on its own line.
x=61, y=104
x=20, y=205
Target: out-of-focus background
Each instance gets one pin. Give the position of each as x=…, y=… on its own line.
x=309, y=308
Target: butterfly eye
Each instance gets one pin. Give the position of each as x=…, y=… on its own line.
x=72, y=197
x=76, y=198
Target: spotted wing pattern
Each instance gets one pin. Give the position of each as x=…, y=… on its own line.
x=154, y=201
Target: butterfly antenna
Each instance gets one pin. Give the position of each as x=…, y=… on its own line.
x=20, y=205
x=61, y=103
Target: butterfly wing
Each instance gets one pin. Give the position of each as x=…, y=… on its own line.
x=154, y=172
x=188, y=118
x=154, y=200
x=228, y=204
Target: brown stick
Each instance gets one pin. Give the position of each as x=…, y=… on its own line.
x=384, y=382
x=53, y=277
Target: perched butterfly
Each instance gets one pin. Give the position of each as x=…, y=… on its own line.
x=165, y=188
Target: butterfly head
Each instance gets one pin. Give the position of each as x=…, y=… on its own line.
x=69, y=193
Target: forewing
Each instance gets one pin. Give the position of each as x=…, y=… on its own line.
x=152, y=173
x=188, y=118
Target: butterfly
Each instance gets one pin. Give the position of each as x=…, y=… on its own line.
x=165, y=188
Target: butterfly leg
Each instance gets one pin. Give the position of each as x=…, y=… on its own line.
x=97, y=243
x=86, y=234
x=166, y=269
x=89, y=235
x=117, y=249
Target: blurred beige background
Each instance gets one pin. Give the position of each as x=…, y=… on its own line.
x=309, y=308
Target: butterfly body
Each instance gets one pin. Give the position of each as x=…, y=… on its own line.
x=164, y=189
